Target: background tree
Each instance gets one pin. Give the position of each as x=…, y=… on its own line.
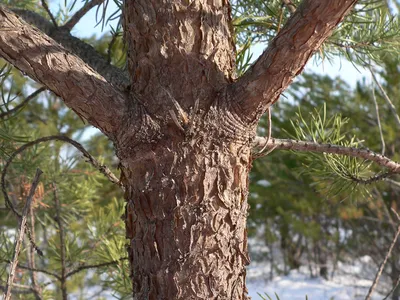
x=182, y=123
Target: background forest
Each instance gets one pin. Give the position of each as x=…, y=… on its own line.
x=312, y=213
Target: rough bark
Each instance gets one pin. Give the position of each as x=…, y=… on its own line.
x=183, y=133
x=286, y=56
x=65, y=74
x=86, y=52
x=186, y=215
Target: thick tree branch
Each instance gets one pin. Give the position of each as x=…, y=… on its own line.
x=286, y=144
x=44, y=60
x=286, y=56
x=86, y=52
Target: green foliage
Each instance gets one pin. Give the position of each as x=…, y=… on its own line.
x=337, y=175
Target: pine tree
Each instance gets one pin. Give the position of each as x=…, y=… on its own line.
x=183, y=123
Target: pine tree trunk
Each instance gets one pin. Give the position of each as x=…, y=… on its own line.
x=186, y=218
x=186, y=167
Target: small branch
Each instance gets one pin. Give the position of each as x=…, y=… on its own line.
x=31, y=258
x=21, y=231
x=269, y=131
x=378, y=119
x=379, y=273
x=23, y=103
x=46, y=8
x=287, y=144
x=394, y=287
x=39, y=271
x=392, y=182
x=390, y=103
x=85, y=267
x=62, y=243
x=80, y=13
x=27, y=290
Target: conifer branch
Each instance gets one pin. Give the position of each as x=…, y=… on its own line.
x=21, y=232
x=86, y=52
x=306, y=146
x=102, y=168
x=287, y=55
x=95, y=163
x=80, y=13
x=70, y=68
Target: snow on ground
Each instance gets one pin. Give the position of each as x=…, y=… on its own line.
x=298, y=284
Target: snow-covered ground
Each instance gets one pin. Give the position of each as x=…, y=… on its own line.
x=298, y=284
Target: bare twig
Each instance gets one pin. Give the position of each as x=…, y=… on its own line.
x=393, y=183
x=378, y=119
x=390, y=103
x=393, y=288
x=39, y=271
x=388, y=253
x=62, y=243
x=287, y=144
x=23, y=103
x=31, y=259
x=269, y=131
x=85, y=267
x=21, y=231
x=46, y=8
x=80, y=13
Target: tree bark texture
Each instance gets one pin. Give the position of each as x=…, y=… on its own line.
x=183, y=129
x=186, y=216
